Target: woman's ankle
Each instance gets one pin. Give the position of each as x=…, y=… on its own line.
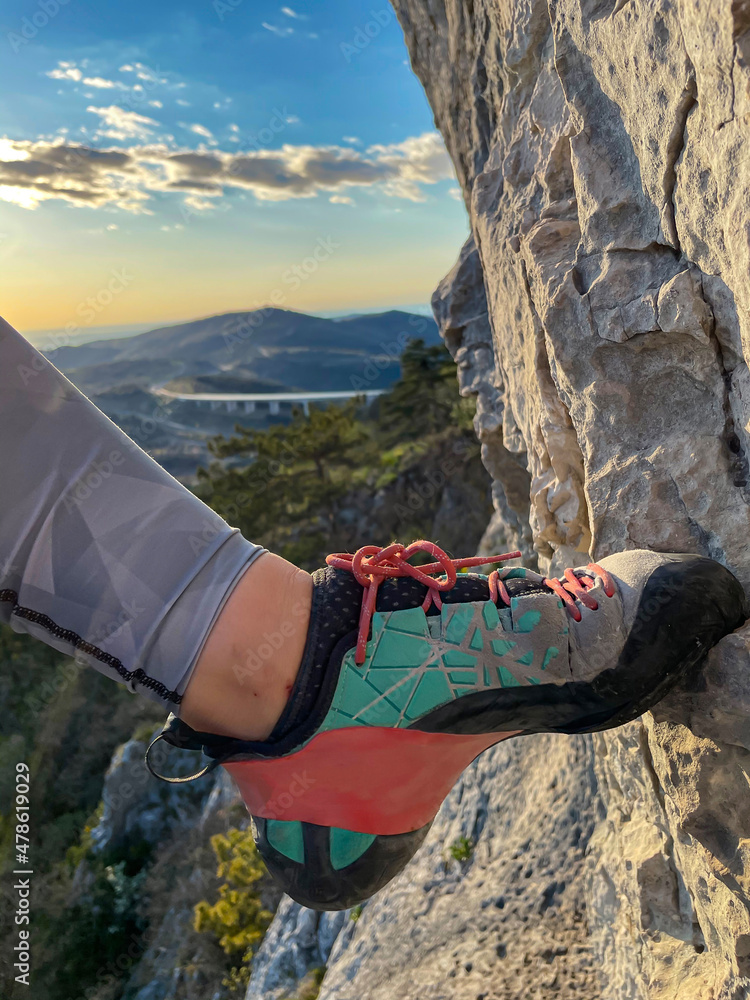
x=248, y=666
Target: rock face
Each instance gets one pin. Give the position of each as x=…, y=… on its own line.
x=599, y=313
x=298, y=941
x=601, y=146
x=137, y=808
x=460, y=307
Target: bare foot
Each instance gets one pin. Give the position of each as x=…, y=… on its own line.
x=248, y=666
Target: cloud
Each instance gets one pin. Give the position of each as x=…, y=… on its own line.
x=123, y=124
x=198, y=129
x=183, y=104
x=69, y=71
x=65, y=71
x=101, y=83
x=199, y=204
x=282, y=32
x=34, y=172
x=341, y=199
x=39, y=171
x=351, y=139
x=144, y=72
x=10, y=151
x=419, y=160
x=293, y=13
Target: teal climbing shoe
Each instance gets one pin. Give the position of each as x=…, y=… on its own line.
x=418, y=669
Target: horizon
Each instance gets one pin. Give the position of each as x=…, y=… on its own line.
x=186, y=160
x=48, y=340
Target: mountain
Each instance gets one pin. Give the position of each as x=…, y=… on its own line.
x=285, y=348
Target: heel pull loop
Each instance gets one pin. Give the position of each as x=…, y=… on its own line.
x=173, y=780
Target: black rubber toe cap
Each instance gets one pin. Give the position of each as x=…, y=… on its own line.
x=687, y=605
x=317, y=884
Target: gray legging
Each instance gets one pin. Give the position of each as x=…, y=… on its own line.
x=103, y=555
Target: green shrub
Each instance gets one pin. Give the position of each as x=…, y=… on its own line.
x=237, y=919
x=462, y=849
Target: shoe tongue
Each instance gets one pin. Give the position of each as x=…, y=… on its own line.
x=340, y=597
x=517, y=586
x=336, y=607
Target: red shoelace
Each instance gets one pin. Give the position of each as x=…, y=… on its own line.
x=372, y=564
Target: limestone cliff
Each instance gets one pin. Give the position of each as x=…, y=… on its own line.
x=600, y=315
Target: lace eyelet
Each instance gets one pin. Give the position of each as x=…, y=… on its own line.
x=371, y=565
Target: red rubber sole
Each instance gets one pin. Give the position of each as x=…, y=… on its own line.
x=372, y=780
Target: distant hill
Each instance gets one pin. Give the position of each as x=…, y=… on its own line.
x=269, y=350
x=279, y=347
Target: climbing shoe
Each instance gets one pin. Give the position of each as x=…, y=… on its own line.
x=411, y=671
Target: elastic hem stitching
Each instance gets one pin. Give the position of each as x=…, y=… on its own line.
x=137, y=676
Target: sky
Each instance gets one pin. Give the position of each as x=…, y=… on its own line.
x=162, y=161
